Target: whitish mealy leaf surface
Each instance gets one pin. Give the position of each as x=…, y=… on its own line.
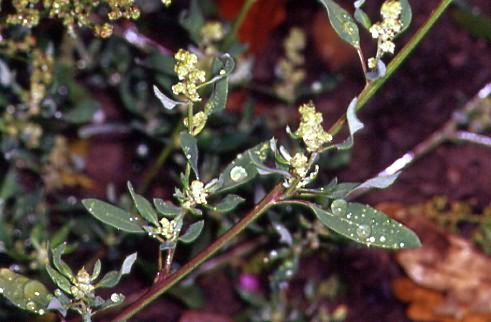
x=366, y=225
x=222, y=66
x=354, y=125
x=167, y=102
x=342, y=22
x=113, y=216
x=23, y=292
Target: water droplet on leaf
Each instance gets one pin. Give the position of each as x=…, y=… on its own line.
x=363, y=231
x=339, y=207
x=238, y=173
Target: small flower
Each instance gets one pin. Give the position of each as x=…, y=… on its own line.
x=167, y=229
x=198, y=193
x=310, y=129
x=300, y=163
x=82, y=286
x=189, y=75
x=199, y=122
x=212, y=31
x=387, y=29
x=167, y=2
x=372, y=62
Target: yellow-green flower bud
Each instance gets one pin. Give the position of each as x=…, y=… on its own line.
x=310, y=129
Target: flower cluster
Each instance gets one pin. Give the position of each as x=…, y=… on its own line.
x=310, y=130
x=386, y=30
x=82, y=285
x=189, y=75
x=197, y=193
x=168, y=229
x=290, y=68
x=72, y=13
x=212, y=31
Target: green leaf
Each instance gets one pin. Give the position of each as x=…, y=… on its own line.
x=242, y=169
x=167, y=102
x=354, y=125
x=113, y=216
x=193, y=21
x=61, y=281
x=222, y=66
x=166, y=209
x=96, y=270
x=229, y=203
x=342, y=23
x=366, y=225
x=83, y=112
x=406, y=15
x=363, y=18
x=379, y=182
x=193, y=232
x=60, y=265
x=143, y=206
x=23, y=292
x=60, y=235
x=112, y=278
x=189, y=146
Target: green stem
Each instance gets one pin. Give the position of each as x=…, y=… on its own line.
x=161, y=286
x=163, y=156
x=238, y=23
x=372, y=87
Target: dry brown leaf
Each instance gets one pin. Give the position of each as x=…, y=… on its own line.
x=448, y=264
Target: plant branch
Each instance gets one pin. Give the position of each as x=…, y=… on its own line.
x=372, y=87
x=160, y=287
x=276, y=193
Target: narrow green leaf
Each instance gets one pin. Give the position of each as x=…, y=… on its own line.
x=366, y=225
x=23, y=292
x=60, y=265
x=113, y=216
x=111, y=279
x=96, y=271
x=218, y=99
x=354, y=125
x=193, y=232
x=342, y=23
x=167, y=102
x=363, y=18
x=379, y=182
x=229, y=203
x=242, y=169
x=166, y=209
x=189, y=146
x=406, y=15
x=143, y=206
x=61, y=281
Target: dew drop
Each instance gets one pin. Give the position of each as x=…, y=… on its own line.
x=339, y=207
x=363, y=231
x=31, y=306
x=382, y=239
x=401, y=245
x=41, y=312
x=238, y=173
x=115, y=297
